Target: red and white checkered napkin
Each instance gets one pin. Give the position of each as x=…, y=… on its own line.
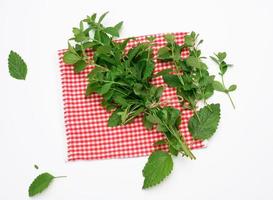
x=89, y=137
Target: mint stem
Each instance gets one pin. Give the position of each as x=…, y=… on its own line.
x=232, y=103
x=60, y=176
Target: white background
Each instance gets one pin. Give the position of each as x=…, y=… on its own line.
x=238, y=161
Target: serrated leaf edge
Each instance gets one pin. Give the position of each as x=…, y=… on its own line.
x=168, y=173
x=197, y=138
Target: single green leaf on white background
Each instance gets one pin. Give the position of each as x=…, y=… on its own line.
x=40, y=183
x=203, y=124
x=158, y=167
x=17, y=66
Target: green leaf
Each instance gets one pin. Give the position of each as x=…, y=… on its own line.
x=218, y=86
x=112, y=31
x=118, y=26
x=164, y=53
x=40, y=183
x=215, y=60
x=153, y=119
x=172, y=150
x=170, y=38
x=161, y=142
x=71, y=58
x=223, y=67
x=17, y=66
x=148, y=125
x=114, y=119
x=232, y=88
x=222, y=55
x=102, y=17
x=204, y=123
x=121, y=101
x=158, y=167
x=163, y=72
x=148, y=70
x=195, y=62
x=188, y=40
x=79, y=66
x=104, y=50
x=105, y=88
x=172, y=80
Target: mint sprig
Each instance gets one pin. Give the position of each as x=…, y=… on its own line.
x=219, y=59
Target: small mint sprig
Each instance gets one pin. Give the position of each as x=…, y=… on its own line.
x=219, y=59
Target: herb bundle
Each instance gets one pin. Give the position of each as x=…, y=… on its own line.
x=123, y=79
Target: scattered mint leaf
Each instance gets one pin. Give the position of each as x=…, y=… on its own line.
x=17, y=66
x=158, y=167
x=40, y=183
x=36, y=166
x=203, y=123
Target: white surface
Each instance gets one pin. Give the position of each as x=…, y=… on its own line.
x=238, y=161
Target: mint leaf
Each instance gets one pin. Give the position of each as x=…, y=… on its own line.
x=79, y=66
x=71, y=58
x=232, y=88
x=163, y=72
x=40, y=183
x=204, y=123
x=105, y=88
x=218, y=86
x=164, y=53
x=114, y=119
x=189, y=40
x=17, y=66
x=221, y=56
x=158, y=167
x=148, y=71
x=170, y=38
x=172, y=80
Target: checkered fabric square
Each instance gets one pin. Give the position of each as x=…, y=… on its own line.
x=89, y=137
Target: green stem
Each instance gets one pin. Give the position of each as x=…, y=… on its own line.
x=223, y=82
x=177, y=70
x=60, y=176
x=183, y=144
x=233, y=105
x=186, y=150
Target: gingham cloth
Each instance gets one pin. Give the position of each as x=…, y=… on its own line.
x=89, y=137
